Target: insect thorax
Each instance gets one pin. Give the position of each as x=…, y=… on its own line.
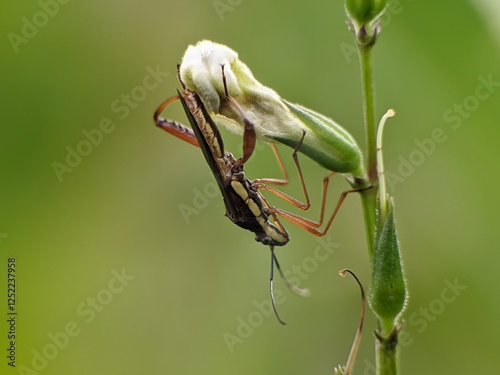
x=251, y=213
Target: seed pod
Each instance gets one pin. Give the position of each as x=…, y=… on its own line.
x=388, y=293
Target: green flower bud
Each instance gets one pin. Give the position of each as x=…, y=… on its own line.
x=388, y=293
x=364, y=12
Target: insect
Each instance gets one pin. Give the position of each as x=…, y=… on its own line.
x=245, y=205
x=275, y=120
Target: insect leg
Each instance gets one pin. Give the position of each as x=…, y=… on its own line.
x=275, y=181
x=310, y=225
x=249, y=136
x=261, y=182
x=173, y=127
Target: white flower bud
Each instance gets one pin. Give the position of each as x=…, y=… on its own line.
x=274, y=119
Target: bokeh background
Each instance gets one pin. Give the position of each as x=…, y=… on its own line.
x=185, y=302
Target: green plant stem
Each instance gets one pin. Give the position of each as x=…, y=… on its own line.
x=365, y=56
x=386, y=353
x=369, y=196
x=369, y=204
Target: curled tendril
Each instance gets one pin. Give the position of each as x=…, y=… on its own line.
x=346, y=370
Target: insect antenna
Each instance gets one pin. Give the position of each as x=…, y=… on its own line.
x=302, y=292
x=271, y=289
x=299, y=291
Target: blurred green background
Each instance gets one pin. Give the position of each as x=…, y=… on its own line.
x=186, y=300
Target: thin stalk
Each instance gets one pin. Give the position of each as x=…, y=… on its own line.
x=365, y=56
x=387, y=354
x=386, y=348
x=369, y=196
x=369, y=204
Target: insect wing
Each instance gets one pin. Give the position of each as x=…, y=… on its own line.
x=212, y=149
x=235, y=189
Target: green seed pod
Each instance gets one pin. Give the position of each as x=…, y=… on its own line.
x=274, y=119
x=388, y=293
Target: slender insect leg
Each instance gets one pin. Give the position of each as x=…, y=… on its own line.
x=173, y=127
x=275, y=181
x=304, y=206
x=178, y=130
x=261, y=183
x=309, y=225
x=249, y=136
